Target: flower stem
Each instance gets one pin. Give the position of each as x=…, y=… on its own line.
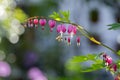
x=82, y=31
x=90, y=37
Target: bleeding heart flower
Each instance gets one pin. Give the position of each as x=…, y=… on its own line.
x=36, y=22
x=72, y=30
x=78, y=40
x=30, y=23
x=61, y=29
x=42, y=23
x=108, y=60
x=113, y=67
x=69, y=41
x=52, y=24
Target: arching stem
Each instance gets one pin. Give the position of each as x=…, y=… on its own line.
x=81, y=30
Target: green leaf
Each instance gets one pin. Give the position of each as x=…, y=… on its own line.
x=114, y=26
x=55, y=16
x=94, y=67
x=118, y=52
x=19, y=14
x=79, y=59
x=84, y=58
x=61, y=16
x=118, y=64
x=74, y=64
x=65, y=15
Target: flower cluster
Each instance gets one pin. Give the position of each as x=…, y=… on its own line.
x=66, y=33
x=111, y=65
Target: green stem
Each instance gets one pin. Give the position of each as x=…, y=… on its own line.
x=84, y=32
x=108, y=48
x=88, y=35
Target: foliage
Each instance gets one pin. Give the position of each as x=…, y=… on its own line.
x=10, y=20
x=118, y=52
x=114, y=26
x=74, y=64
x=61, y=16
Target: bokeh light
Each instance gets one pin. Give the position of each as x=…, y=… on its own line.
x=11, y=58
x=29, y=59
x=36, y=74
x=10, y=19
x=5, y=69
x=2, y=55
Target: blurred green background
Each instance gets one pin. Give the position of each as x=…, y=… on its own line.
x=30, y=51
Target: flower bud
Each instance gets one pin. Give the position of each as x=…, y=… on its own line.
x=113, y=67
x=108, y=60
x=52, y=24
x=42, y=23
x=36, y=22
x=69, y=41
x=78, y=40
x=30, y=23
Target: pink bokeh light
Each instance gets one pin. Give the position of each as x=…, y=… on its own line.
x=5, y=69
x=36, y=74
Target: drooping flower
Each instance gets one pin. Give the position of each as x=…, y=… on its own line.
x=78, y=40
x=61, y=29
x=36, y=22
x=72, y=30
x=108, y=60
x=113, y=67
x=42, y=23
x=69, y=40
x=30, y=23
x=52, y=24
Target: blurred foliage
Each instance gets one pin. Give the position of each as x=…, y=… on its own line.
x=10, y=20
x=61, y=16
x=118, y=52
x=20, y=15
x=114, y=26
x=74, y=64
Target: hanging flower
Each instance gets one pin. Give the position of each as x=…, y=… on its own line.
x=72, y=30
x=30, y=23
x=78, y=40
x=61, y=29
x=107, y=59
x=42, y=23
x=113, y=67
x=52, y=24
x=36, y=22
x=69, y=41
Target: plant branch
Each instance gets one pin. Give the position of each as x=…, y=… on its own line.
x=82, y=31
